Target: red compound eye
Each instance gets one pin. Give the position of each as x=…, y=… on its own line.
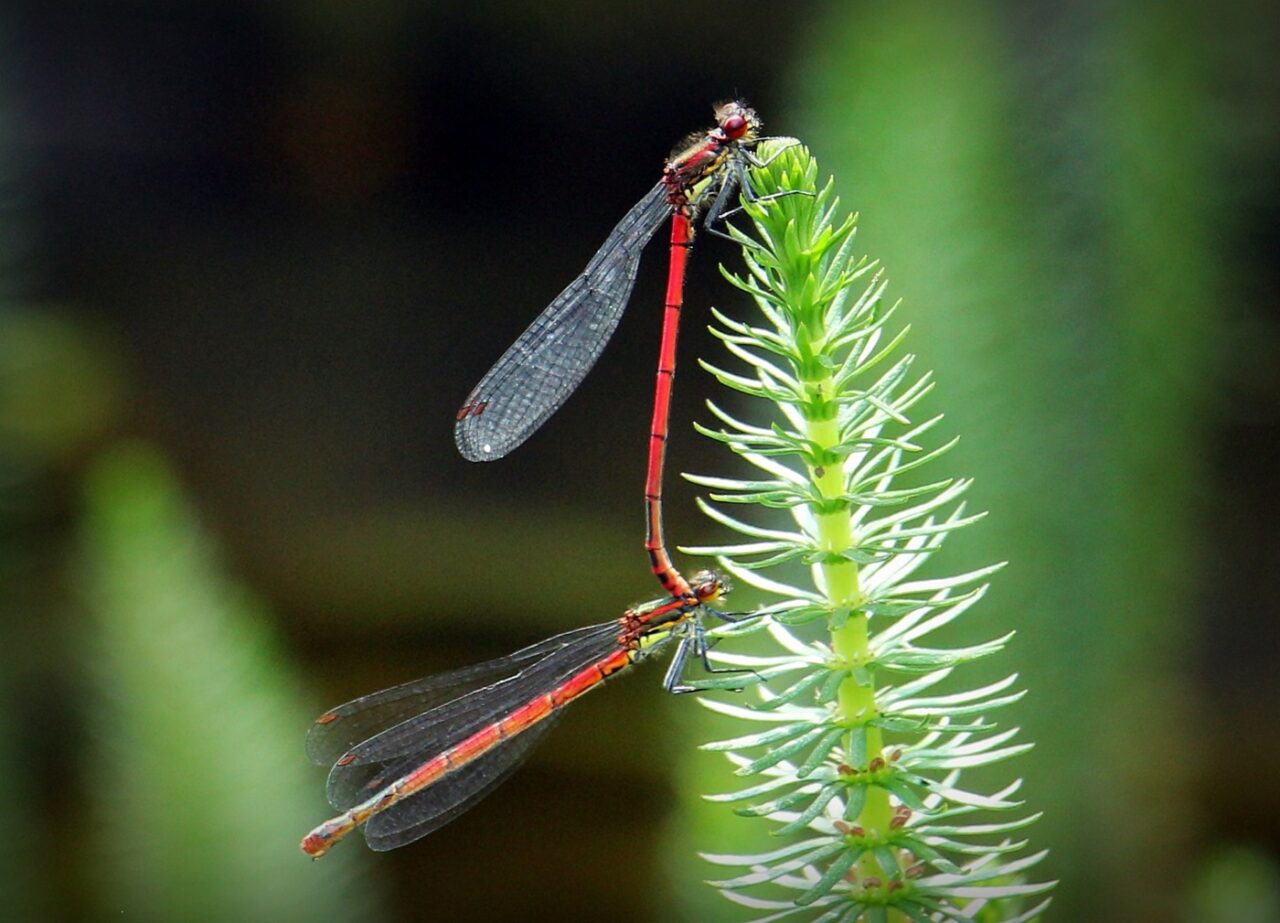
x=735, y=126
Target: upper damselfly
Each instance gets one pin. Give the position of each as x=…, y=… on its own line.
x=549, y=360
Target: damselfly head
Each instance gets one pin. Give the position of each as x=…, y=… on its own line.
x=737, y=120
x=709, y=586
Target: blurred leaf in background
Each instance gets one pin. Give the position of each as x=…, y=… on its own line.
x=20, y=863
x=50, y=371
x=197, y=782
x=1237, y=884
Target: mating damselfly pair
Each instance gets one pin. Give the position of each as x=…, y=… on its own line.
x=409, y=759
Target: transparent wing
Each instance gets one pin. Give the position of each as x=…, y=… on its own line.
x=549, y=360
x=374, y=763
x=340, y=729
x=432, y=808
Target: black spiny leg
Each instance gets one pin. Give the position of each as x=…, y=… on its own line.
x=696, y=642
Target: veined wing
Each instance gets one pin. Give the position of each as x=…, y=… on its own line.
x=549, y=360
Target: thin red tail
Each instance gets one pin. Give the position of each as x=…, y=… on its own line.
x=659, y=559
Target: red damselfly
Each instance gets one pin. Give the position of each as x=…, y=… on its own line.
x=409, y=759
x=549, y=360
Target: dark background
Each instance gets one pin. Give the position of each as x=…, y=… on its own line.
x=278, y=243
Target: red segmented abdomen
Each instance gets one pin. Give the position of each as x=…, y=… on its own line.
x=655, y=543
x=524, y=717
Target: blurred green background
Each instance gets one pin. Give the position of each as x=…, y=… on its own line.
x=253, y=255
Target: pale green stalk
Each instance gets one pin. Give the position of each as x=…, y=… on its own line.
x=860, y=761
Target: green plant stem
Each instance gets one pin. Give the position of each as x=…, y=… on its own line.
x=851, y=641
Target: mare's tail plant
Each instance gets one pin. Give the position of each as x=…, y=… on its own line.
x=864, y=738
